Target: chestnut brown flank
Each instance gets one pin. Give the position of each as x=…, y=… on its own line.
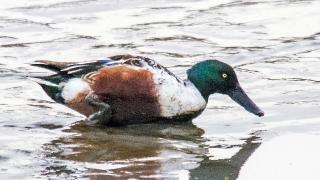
x=130, y=93
x=79, y=104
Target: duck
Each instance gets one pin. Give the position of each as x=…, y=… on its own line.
x=127, y=89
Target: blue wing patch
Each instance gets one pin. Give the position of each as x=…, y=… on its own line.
x=108, y=62
x=105, y=61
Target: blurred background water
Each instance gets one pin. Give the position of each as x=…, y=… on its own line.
x=274, y=46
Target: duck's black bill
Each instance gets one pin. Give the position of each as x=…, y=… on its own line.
x=239, y=96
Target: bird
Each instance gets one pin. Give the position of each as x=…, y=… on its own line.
x=127, y=89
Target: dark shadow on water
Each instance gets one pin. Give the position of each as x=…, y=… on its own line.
x=136, y=151
x=123, y=142
x=225, y=169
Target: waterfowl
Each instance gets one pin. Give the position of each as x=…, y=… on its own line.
x=127, y=89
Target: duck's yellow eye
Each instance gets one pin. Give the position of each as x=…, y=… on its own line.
x=224, y=75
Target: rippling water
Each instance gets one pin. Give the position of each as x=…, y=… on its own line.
x=273, y=45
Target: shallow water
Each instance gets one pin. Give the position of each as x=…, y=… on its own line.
x=273, y=45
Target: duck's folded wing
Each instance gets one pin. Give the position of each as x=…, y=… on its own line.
x=80, y=68
x=52, y=65
x=71, y=68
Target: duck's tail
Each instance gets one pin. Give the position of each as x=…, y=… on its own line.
x=52, y=84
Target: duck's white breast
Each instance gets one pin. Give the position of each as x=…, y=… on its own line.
x=177, y=97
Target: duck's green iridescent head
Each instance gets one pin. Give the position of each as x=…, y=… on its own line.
x=213, y=76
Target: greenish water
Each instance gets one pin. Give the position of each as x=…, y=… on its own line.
x=273, y=45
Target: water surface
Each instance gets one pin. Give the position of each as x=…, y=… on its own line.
x=273, y=45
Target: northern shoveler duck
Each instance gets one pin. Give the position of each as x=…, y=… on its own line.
x=127, y=89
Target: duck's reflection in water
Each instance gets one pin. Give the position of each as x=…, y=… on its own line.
x=142, y=151
x=225, y=169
